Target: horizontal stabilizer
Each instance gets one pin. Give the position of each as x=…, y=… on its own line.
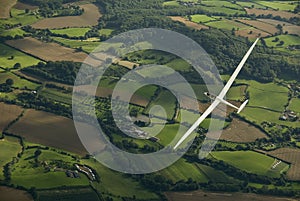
x=242, y=106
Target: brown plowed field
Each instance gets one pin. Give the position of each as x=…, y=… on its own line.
x=88, y=18
x=290, y=155
x=8, y=114
x=49, y=130
x=47, y=51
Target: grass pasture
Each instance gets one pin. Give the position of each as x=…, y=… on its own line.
x=105, y=32
x=87, y=46
x=12, y=194
x=290, y=155
x=227, y=25
x=171, y=3
x=47, y=51
x=48, y=129
x=250, y=4
x=244, y=161
x=19, y=82
x=201, y=18
x=5, y=6
x=114, y=183
x=287, y=39
x=12, y=32
x=19, y=16
x=236, y=93
x=178, y=171
x=71, y=32
x=25, y=172
x=57, y=95
x=88, y=18
x=10, y=56
x=295, y=105
x=9, y=148
x=278, y=5
x=8, y=114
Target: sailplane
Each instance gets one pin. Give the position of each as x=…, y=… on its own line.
x=220, y=98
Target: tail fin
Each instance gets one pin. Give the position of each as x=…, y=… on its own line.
x=242, y=106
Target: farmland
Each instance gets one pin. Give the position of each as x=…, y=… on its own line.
x=283, y=14
x=9, y=148
x=24, y=173
x=201, y=18
x=47, y=51
x=240, y=131
x=286, y=6
x=11, y=194
x=48, y=129
x=189, y=23
x=213, y=196
x=5, y=7
x=271, y=29
x=10, y=56
x=292, y=156
x=287, y=41
x=227, y=25
x=19, y=83
x=88, y=18
x=71, y=32
x=9, y=113
x=295, y=105
x=244, y=161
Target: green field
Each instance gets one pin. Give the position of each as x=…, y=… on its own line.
x=183, y=170
x=13, y=32
x=179, y=65
x=250, y=4
x=76, y=194
x=295, y=105
x=19, y=83
x=214, y=175
x=19, y=16
x=166, y=100
x=118, y=184
x=87, y=46
x=106, y=32
x=280, y=5
x=71, y=32
x=26, y=173
x=244, y=161
x=236, y=93
x=224, y=7
x=9, y=57
x=201, y=18
x=9, y=148
x=287, y=39
x=57, y=95
x=171, y=3
x=227, y=25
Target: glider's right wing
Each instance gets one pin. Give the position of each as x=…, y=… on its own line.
x=199, y=121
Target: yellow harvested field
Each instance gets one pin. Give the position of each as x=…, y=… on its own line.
x=11, y=194
x=282, y=14
x=252, y=33
x=47, y=51
x=88, y=18
x=269, y=28
x=5, y=6
x=189, y=23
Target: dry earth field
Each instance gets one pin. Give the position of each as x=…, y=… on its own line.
x=290, y=155
x=240, y=131
x=5, y=6
x=88, y=18
x=290, y=28
x=47, y=51
x=8, y=114
x=49, y=130
x=255, y=33
x=269, y=28
x=11, y=194
x=189, y=23
x=282, y=14
x=211, y=196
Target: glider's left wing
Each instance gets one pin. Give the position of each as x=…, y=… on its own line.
x=199, y=121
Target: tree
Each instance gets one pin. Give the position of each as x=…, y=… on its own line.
x=27, y=10
x=37, y=153
x=17, y=65
x=9, y=81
